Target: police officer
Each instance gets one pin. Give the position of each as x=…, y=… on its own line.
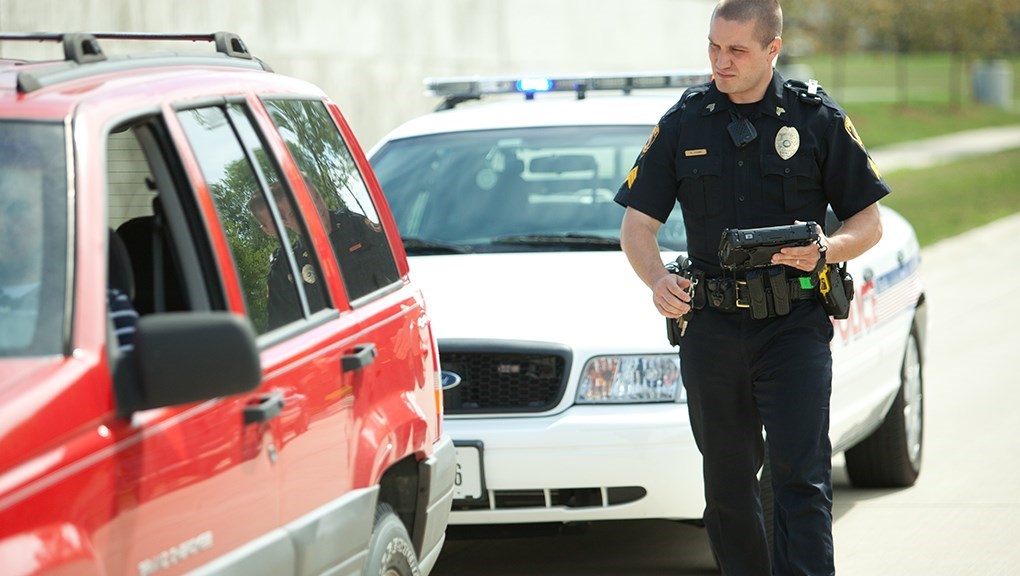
x=282, y=303
x=749, y=150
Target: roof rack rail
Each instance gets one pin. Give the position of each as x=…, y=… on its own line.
x=461, y=89
x=83, y=48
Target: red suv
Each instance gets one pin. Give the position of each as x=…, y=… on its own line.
x=212, y=358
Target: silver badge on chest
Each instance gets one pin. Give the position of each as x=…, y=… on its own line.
x=787, y=142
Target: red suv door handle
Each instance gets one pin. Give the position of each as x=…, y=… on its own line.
x=267, y=408
x=364, y=354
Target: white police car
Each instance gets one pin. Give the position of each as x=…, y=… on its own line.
x=562, y=394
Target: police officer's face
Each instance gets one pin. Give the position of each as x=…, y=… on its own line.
x=21, y=224
x=265, y=220
x=741, y=65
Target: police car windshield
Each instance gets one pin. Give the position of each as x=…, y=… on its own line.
x=552, y=185
x=33, y=237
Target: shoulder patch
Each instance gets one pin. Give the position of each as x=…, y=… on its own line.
x=651, y=139
x=852, y=131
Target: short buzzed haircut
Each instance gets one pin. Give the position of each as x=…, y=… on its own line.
x=767, y=15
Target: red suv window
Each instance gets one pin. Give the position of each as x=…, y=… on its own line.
x=33, y=238
x=336, y=185
x=265, y=237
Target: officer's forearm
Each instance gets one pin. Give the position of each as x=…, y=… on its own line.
x=638, y=238
x=857, y=234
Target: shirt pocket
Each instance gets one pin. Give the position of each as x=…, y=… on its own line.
x=699, y=187
x=794, y=182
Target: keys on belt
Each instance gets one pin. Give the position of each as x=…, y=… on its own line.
x=682, y=320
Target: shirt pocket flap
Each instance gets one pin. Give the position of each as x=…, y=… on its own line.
x=799, y=165
x=698, y=167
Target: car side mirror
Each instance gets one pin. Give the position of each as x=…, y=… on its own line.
x=186, y=357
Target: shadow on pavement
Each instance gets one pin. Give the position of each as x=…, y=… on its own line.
x=624, y=548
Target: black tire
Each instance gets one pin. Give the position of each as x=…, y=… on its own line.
x=891, y=456
x=390, y=552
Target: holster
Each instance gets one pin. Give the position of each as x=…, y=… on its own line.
x=836, y=290
x=721, y=294
x=684, y=267
x=673, y=331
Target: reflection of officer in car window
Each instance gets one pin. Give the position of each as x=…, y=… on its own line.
x=21, y=228
x=750, y=150
x=282, y=304
x=359, y=244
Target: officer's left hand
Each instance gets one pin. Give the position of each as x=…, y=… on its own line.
x=803, y=258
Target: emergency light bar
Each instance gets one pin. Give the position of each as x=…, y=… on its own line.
x=458, y=89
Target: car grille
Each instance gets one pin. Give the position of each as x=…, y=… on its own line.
x=504, y=377
x=555, y=498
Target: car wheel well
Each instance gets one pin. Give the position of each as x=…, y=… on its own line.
x=399, y=489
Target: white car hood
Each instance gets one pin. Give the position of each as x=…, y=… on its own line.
x=590, y=301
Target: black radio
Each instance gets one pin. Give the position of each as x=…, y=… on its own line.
x=750, y=248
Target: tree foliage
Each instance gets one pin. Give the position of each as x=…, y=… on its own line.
x=965, y=29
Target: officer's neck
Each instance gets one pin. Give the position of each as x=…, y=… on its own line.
x=746, y=109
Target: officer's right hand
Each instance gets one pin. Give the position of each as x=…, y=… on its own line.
x=670, y=295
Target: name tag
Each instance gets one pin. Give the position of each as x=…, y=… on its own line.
x=696, y=152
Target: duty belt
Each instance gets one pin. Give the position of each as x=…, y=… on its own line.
x=765, y=292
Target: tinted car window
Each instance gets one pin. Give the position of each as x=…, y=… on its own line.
x=240, y=177
x=514, y=189
x=33, y=238
x=345, y=206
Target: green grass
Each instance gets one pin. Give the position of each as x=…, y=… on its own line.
x=946, y=200
x=868, y=92
x=930, y=77
x=883, y=123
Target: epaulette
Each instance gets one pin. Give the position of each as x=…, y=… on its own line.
x=690, y=92
x=808, y=93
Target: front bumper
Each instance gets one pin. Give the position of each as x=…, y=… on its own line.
x=608, y=462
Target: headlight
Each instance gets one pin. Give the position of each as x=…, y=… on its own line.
x=631, y=379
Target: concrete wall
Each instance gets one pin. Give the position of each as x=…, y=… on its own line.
x=372, y=55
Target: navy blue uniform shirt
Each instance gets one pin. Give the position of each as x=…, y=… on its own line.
x=806, y=156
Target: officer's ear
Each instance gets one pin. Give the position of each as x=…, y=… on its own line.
x=772, y=49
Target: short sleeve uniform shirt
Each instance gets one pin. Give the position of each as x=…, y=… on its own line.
x=806, y=156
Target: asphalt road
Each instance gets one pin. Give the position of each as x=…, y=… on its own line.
x=961, y=518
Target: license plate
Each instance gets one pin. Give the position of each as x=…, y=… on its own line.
x=468, y=484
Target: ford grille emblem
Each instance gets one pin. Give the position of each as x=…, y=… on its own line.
x=450, y=380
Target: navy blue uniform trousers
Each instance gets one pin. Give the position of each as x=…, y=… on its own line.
x=742, y=375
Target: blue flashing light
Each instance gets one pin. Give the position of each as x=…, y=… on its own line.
x=531, y=85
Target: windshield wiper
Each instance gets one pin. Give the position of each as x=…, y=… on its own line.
x=420, y=246
x=589, y=241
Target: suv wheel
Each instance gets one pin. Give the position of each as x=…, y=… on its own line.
x=390, y=552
